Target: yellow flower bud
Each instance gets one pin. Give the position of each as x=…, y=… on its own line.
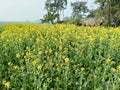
x=17, y=55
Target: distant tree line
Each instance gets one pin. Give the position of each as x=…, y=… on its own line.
x=107, y=12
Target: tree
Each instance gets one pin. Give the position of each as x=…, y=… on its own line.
x=115, y=11
x=54, y=7
x=110, y=10
x=79, y=8
x=93, y=13
x=49, y=17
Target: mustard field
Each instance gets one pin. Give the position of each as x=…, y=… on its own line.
x=59, y=57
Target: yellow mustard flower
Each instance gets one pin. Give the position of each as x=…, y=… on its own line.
x=101, y=38
x=50, y=50
x=57, y=78
x=60, y=47
x=58, y=69
x=118, y=67
x=28, y=54
x=9, y=63
x=46, y=51
x=108, y=60
x=27, y=48
x=82, y=69
x=40, y=52
x=39, y=67
x=56, y=54
x=6, y=84
x=37, y=40
x=34, y=62
x=17, y=55
x=48, y=79
x=113, y=69
x=16, y=67
x=91, y=38
x=66, y=60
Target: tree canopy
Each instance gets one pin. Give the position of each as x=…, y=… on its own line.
x=107, y=9
x=110, y=9
x=79, y=8
x=54, y=7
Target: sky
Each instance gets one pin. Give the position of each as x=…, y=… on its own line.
x=29, y=10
